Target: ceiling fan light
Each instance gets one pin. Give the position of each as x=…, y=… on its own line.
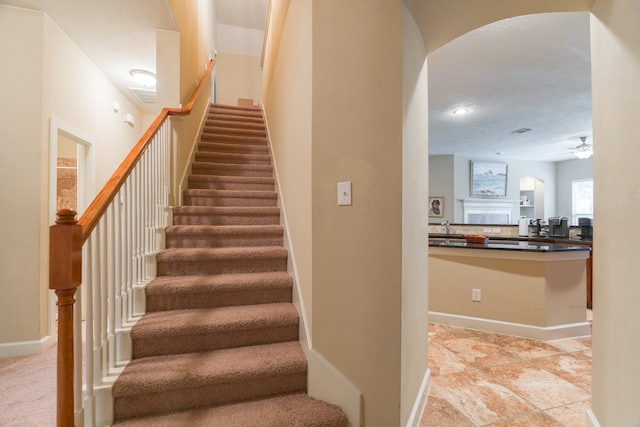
x=143, y=77
x=583, y=151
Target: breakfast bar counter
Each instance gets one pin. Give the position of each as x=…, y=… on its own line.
x=523, y=288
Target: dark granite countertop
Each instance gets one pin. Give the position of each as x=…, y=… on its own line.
x=539, y=239
x=511, y=245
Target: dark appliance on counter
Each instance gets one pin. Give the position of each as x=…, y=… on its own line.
x=559, y=226
x=586, y=228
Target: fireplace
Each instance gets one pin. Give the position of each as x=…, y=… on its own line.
x=490, y=211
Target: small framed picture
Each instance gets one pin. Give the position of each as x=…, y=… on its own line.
x=436, y=207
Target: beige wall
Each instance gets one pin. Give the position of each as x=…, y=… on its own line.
x=615, y=54
x=237, y=76
x=47, y=77
x=196, y=20
x=21, y=300
x=357, y=250
x=439, y=23
x=350, y=276
x=287, y=74
x=415, y=190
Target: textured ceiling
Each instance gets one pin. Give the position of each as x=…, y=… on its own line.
x=526, y=72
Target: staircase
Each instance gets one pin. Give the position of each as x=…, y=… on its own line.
x=219, y=343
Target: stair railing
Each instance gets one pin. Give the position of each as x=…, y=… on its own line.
x=111, y=251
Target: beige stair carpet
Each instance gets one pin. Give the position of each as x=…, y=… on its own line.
x=219, y=343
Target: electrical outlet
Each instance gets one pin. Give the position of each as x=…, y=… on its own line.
x=486, y=230
x=476, y=295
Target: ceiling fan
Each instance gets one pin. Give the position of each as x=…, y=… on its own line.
x=584, y=150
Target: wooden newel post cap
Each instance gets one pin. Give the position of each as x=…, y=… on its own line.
x=65, y=251
x=66, y=216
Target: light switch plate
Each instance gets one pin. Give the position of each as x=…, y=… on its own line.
x=344, y=194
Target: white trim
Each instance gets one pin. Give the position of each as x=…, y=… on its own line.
x=86, y=183
x=26, y=348
x=421, y=401
x=591, y=419
x=324, y=381
x=569, y=330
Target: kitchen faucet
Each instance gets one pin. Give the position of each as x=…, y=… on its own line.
x=447, y=227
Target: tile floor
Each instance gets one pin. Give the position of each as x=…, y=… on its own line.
x=483, y=379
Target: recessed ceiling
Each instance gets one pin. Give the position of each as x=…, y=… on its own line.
x=530, y=72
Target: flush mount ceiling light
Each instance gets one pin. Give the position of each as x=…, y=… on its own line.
x=143, y=77
x=461, y=111
x=584, y=150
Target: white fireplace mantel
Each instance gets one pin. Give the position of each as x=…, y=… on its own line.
x=490, y=211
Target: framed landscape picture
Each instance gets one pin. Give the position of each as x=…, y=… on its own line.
x=488, y=179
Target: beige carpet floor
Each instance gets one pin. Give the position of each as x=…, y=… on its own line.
x=28, y=390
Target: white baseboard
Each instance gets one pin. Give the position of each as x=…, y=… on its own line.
x=26, y=348
x=570, y=330
x=592, y=421
x=326, y=383
x=421, y=401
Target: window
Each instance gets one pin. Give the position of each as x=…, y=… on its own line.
x=581, y=199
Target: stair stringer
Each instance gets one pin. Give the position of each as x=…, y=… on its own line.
x=324, y=381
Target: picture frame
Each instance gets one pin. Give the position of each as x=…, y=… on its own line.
x=436, y=207
x=488, y=179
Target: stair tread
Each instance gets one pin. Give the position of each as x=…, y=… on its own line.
x=292, y=410
x=205, y=192
x=235, y=179
x=226, y=147
x=220, y=282
x=217, y=165
x=209, y=320
x=225, y=229
x=192, y=370
x=198, y=254
x=226, y=210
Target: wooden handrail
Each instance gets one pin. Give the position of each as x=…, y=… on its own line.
x=66, y=239
x=99, y=205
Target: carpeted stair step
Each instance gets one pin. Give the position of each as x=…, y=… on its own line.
x=235, y=131
x=212, y=182
x=216, y=236
x=233, y=110
x=224, y=169
x=217, y=121
x=235, y=139
x=233, y=158
x=221, y=147
x=292, y=410
x=241, y=115
x=229, y=215
x=207, y=329
x=162, y=384
x=207, y=261
x=221, y=290
x=229, y=198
